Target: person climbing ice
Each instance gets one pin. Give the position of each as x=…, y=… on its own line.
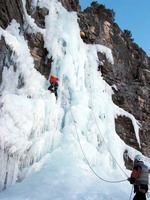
x=139, y=178
x=100, y=65
x=53, y=84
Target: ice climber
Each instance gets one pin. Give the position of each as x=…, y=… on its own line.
x=82, y=34
x=100, y=65
x=139, y=178
x=53, y=84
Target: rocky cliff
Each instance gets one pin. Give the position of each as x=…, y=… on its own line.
x=130, y=73
x=129, y=76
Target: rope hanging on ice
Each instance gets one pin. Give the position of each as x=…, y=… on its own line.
x=84, y=153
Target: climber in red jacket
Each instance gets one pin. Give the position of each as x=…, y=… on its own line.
x=53, y=84
x=139, y=178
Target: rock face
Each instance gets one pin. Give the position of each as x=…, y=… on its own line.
x=130, y=73
x=10, y=10
x=71, y=5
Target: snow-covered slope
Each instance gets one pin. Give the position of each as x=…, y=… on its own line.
x=68, y=145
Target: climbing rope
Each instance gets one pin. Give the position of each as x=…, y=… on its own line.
x=107, y=145
x=84, y=153
x=86, y=158
x=131, y=193
x=148, y=194
x=64, y=95
x=100, y=131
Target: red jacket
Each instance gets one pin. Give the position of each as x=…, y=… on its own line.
x=53, y=79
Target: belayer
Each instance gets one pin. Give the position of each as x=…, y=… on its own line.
x=53, y=84
x=139, y=178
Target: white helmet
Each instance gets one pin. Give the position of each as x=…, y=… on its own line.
x=138, y=157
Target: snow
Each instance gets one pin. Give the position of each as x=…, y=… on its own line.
x=60, y=149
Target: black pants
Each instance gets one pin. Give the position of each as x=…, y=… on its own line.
x=139, y=196
x=99, y=68
x=53, y=88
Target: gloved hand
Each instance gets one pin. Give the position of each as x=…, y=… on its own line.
x=129, y=179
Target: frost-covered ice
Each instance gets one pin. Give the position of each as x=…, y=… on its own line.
x=53, y=144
